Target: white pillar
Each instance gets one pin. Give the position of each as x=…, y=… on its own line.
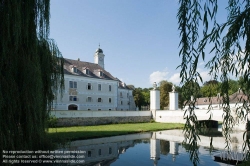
x=154, y=148
x=154, y=101
x=173, y=101
x=174, y=148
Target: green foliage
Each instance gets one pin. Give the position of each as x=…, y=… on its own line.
x=233, y=86
x=141, y=96
x=152, y=121
x=165, y=88
x=52, y=121
x=180, y=96
x=31, y=72
x=243, y=85
x=189, y=89
x=138, y=97
x=230, y=51
x=146, y=97
x=210, y=89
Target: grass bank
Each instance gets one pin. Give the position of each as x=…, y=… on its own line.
x=63, y=134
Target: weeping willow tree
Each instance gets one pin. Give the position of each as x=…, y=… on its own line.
x=31, y=68
x=229, y=50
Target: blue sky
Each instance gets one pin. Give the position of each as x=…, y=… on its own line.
x=139, y=38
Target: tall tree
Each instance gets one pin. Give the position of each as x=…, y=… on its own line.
x=165, y=88
x=146, y=97
x=210, y=88
x=138, y=97
x=190, y=88
x=31, y=72
x=243, y=85
x=230, y=41
x=233, y=86
x=180, y=96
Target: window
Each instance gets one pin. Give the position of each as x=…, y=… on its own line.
x=128, y=102
x=127, y=95
x=89, y=99
x=72, y=84
x=89, y=153
x=100, y=152
x=121, y=103
x=110, y=150
x=73, y=98
x=101, y=73
x=110, y=88
x=99, y=87
x=120, y=94
x=87, y=71
x=74, y=69
x=89, y=109
x=109, y=100
x=99, y=100
x=89, y=87
x=99, y=109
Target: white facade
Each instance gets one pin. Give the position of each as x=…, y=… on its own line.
x=87, y=95
x=88, y=86
x=125, y=98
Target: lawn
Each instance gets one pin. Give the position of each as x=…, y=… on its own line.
x=62, y=134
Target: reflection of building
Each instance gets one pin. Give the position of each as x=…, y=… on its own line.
x=104, y=152
x=174, y=147
x=88, y=86
x=100, y=152
x=154, y=149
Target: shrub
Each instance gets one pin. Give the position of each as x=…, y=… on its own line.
x=52, y=121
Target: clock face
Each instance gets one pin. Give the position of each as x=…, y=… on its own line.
x=100, y=58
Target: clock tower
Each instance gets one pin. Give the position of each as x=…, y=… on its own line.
x=99, y=57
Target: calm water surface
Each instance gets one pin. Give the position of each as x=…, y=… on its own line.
x=149, y=149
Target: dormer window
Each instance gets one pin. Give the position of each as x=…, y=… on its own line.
x=86, y=71
x=74, y=69
x=123, y=84
x=101, y=74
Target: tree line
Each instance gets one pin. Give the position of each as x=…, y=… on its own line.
x=208, y=89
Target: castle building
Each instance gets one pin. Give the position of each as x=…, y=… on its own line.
x=88, y=86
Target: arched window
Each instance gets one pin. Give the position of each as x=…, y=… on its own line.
x=72, y=107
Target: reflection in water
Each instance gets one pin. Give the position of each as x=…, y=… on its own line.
x=157, y=148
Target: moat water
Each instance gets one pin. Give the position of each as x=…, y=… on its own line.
x=152, y=149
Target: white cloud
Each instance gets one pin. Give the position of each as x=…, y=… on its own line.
x=175, y=79
x=158, y=76
x=205, y=76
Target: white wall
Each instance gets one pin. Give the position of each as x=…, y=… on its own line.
x=125, y=97
x=76, y=114
x=83, y=93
